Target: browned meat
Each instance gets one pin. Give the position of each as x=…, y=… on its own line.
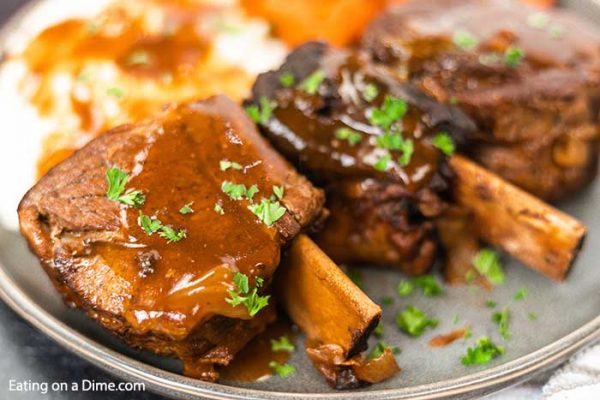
x=379, y=202
x=170, y=297
x=537, y=114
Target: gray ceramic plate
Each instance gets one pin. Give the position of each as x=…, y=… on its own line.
x=568, y=318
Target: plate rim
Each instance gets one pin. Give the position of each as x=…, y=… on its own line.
x=178, y=386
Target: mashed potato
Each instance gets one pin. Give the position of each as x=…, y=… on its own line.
x=75, y=69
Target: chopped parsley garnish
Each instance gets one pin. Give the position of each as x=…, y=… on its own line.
x=150, y=225
x=405, y=288
x=390, y=140
x=487, y=263
x=370, y=92
x=115, y=92
x=382, y=162
x=490, y=304
x=117, y=179
x=268, y=211
x=282, y=344
x=443, y=142
x=391, y=111
x=387, y=301
x=283, y=370
x=380, y=347
x=414, y=321
x=172, y=235
x=356, y=277
x=538, y=20
x=453, y=100
x=238, y=191
x=378, y=331
x=465, y=39
x=242, y=295
x=350, y=135
x=224, y=165
x=501, y=319
x=427, y=283
x=261, y=114
x=407, y=147
x=455, y=319
x=483, y=352
x=513, y=56
x=312, y=83
x=187, y=209
x=278, y=191
x=532, y=316
x=219, y=209
x=287, y=79
x=468, y=333
x=521, y=294
x=138, y=57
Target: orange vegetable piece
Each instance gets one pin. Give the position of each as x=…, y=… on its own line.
x=340, y=22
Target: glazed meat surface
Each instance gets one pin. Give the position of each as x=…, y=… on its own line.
x=169, y=296
x=380, y=205
x=530, y=80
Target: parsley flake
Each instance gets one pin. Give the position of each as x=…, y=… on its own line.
x=428, y=285
x=370, y=92
x=465, y=39
x=414, y=321
x=521, y=294
x=187, y=209
x=490, y=304
x=483, y=352
x=487, y=263
x=242, y=295
x=382, y=162
x=443, y=142
x=556, y=31
x=283, y=370
x=117, y=179
x=513, y=56
x=238, y=191
x=405, y=288
x=378, y=331
x=387, y=301
x=312, y=83
x=261, y=114
x=350, y=135
x=150, y=225
x=532, y=316
x=278, y=191
x=268, y=211
x=407, y=148
x=391, y=111
x=287, y=79
x=380, y=348
x=172, y=235
x=501, y=319
x=219, y=209
x=224, y=165
x=282, y=344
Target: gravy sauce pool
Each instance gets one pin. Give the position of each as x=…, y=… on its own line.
x=311, y=139
x=178, y=285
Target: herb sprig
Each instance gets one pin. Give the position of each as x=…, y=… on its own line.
x=248, y=298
